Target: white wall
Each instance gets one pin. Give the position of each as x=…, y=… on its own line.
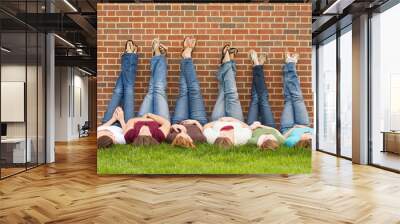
x=70, y=83
x=16, y=73
x=33, y=127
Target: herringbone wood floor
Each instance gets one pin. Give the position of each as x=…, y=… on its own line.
x=70, y=191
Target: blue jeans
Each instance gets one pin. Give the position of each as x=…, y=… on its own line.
x=123, y=94
x=294, y=111
x=155, y=101
x=190, y=104
x=259, y=109
x=228, y=104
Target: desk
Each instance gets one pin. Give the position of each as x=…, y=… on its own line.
x=13, y=150
x=391, y=141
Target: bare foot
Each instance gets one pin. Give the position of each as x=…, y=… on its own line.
x=262, y=59
x=163, y=49
x=225, y=54
x=186, y=42
x=156, y=46
x=291, y=58
x=192, y=42
x=135, y=48
x=253, y=57
x=187, y=53
x=232, y=53
x=187, y=48
x=129, y=46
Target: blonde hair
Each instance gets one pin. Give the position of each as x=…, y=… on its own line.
x=183, y=142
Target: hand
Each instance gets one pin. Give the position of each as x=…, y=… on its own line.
x=120, y=114
x=195, y=122
x=179, y=128
x=255, y=125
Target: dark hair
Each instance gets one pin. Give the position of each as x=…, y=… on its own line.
x=269, y=144
x=126, y=43
x=306, y=144
x=144, y=140
x=223, y=142
x=104, y=142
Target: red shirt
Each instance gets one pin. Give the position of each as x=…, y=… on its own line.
x=153, y=126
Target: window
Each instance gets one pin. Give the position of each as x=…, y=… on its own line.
x=22, y=77
x=346, y=92
x=327, y=96
x=385, y=86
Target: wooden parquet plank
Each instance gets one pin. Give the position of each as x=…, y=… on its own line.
x=70, y=191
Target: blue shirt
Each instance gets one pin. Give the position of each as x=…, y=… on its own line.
x=295, y=136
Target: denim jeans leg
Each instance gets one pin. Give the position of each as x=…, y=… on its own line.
x=287, y=117
x=196, y=107
x=160, y=102
x=147, y=104
x=219, y=108
x=130, y=62
x=253, y=108
x=182, y=103
x=293, y=86
x=115, y=100
x=232, y=103
x=265, y=112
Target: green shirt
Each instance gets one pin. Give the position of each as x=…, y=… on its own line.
x=266, y=131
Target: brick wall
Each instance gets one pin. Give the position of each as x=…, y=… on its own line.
x=272, y=28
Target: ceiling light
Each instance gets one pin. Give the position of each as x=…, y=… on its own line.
x=64, y=40
x=337, y=7
x=5, y=50
x=70, y=5
x=84, y=71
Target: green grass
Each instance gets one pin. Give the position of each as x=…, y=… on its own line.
x=205, y=159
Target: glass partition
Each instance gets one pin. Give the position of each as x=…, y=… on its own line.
x=327, y=96
x=385, y=89
x=14, y=155
x=346, y=94
x=22, y=88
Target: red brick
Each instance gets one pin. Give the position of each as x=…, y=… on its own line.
x=271, y=28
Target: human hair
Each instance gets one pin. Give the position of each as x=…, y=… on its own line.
x=104, y=142
x=269, y=144
x=223, y=142
x=144, y=140
x=304, y=143
x=183, y=142
x=126, y=43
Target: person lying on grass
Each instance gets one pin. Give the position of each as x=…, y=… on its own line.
x=265, y=137
x=150, y=129
x=123, y=92
x=109, y=134
x=227, y=103
x=190, y=102
x=294, y=119
x=186, y=133
x=226, y=132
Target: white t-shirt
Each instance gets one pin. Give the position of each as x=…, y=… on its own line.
x=116, y=131
x=241, y=134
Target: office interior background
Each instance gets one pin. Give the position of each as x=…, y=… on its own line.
x=48, y=169
x=48, y=79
